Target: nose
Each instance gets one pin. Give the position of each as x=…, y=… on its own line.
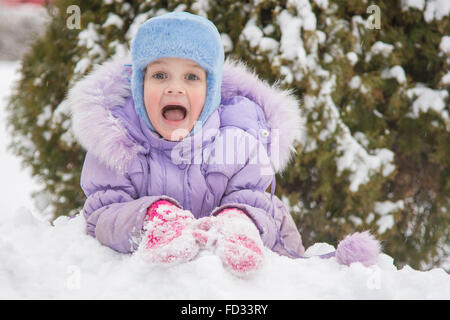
x=175, y=88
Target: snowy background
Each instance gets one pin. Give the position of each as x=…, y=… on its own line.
x=39, y=260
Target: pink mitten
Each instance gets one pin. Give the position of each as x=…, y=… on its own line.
x=203, y=232
x=239, y=244
x=168, y=236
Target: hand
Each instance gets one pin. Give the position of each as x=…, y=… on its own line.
x=168, y=237
x=234, y=238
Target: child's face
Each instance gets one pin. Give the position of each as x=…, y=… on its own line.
x=174, y=95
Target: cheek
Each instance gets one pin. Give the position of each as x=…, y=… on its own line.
x=198, y=98
x=151, y=99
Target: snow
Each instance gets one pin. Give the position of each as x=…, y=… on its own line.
x=89, y=38
x=226, y=42
x=416, y=4
x=291, y=41
x=82, y=65
x=20, y=185
x=305, y=12
x=445, y=44
x=385, y=209
x=352, y=57
x=435, y=9
x=113, y=20
x=255, y=37
x=62, y=262
x=44, y=116
x=138, y=20
x=379, y=47
x=396, y=72
x=19, y=25
x=201, y=7
x=362, y=164
x=382, y=48
x=269, y=45
x=355, y=82
x=323, y=4
x=252, y=33
x=426, y=99
x=357, y=21
x=446, y=78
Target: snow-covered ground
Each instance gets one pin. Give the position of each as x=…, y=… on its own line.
x=43, y=261
x=16, y=185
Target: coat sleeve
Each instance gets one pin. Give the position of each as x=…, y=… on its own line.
x=113, y=211
x=246, y=190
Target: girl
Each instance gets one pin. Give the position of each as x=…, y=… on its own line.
x=179, y=157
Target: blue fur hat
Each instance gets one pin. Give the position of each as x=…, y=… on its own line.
x=178, y=35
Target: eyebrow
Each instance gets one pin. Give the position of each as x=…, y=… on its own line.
x=155, y=63
x=190, y=64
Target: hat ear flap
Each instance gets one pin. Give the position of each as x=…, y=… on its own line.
x=137, y=89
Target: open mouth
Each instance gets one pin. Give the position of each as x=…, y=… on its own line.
x=174, y=112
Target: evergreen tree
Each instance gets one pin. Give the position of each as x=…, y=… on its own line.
x=373, y=80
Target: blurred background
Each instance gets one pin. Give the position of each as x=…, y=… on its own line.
x=372, y=76
x=20, y=22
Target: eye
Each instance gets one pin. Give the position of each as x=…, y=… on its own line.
x=159, y=76
x=191, y=76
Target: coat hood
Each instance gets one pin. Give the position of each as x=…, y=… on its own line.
x=108, y=86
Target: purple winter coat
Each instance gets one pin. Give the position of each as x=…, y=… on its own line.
x=229, y=163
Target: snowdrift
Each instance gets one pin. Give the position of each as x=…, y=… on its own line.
x=43, y=261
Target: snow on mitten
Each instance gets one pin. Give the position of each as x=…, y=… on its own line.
x=204, y=232
x=238, y=244
x=168, y=237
